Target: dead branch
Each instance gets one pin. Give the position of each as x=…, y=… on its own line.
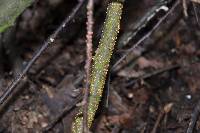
x=89, y=35
x=194, y=117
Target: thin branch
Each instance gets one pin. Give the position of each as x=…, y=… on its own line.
x=159, y=118
x=49, y=41
x=64, y=112
x=90, y=21
x=196, y=1
x=154, y=73
x=194, y=117
x=196, y=14
x=166, y=109
x=147, y=35
x=147, y=18
x=185, y=8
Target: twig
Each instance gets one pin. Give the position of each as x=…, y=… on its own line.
x=142, y=23
x=168, y=68
x=196, y=14
x=90, y=21
x=161, y=114
x=185, y=8
x=166, y=109
x=49, y=41
x=147, y=35
x=64, y=112
x=148, y=75
x=67, y=109
x=194, y=117
x=196, y=1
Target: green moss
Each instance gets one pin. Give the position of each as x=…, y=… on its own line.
x=10, y=10
x=101, y=63
x=4, y=27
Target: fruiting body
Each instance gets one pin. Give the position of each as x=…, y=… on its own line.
x=101, y=63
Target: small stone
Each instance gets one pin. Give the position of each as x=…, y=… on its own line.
x=51, y=40
x=188, y=97
x=44, y=124
x=130, y=95
x=63, y=25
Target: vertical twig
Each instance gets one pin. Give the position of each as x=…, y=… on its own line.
x=185, y=8
x=196, y=14
x=90, y=7
x=194, y=117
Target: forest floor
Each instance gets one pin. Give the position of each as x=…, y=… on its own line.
x=155, y=89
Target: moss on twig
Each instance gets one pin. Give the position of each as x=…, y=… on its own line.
x=100, y=64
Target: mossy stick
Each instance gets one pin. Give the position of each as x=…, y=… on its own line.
x=100, y=64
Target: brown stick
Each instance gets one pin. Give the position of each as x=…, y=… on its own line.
x=161, y=114
x=185, y=8
x=154, y=73
x=90, y=7
x=196, y=14
x=194, y=118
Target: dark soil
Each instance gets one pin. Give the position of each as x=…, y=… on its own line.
x=136, y=100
